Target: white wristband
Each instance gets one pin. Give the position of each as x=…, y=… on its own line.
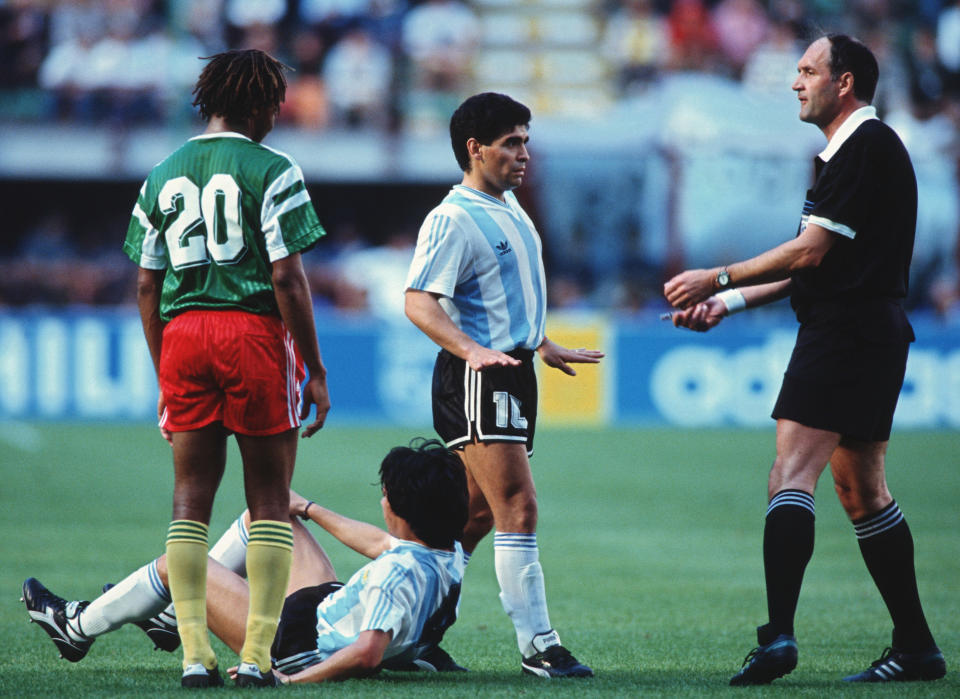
x=733, y=300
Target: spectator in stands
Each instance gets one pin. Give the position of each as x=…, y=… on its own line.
x=693, y=39
x=927, y=78
x=378, y=273
x=63, y=73
x=772, y=66
x=384, y=20
x=893, y=88
x=358, y=73
x=200, y=20
x=332, y=18
x=948, y=46
x=307, y=104
x=741, y=26
x=635, y=42
x=23, y=36
x=122, y=71
x=240, y=14
x=439, y=38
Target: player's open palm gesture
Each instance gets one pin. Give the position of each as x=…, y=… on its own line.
x=480, y=358
x=558, y=357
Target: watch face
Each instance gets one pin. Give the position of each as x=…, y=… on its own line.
x=723, y=278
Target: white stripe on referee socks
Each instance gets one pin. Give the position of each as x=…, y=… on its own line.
x=797, y=498
x=886, y=519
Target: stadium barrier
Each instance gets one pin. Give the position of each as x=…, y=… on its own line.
x=93, y=365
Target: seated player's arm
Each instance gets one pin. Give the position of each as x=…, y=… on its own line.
x=424, y=310
x=362, y=537
x=360, y=659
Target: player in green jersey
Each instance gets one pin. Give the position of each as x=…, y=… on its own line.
x=217, y=232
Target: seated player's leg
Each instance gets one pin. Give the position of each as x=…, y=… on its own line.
x=161, y=626
x=227, y=601
x=311, y=566
x=58, y=618
x=140, y=598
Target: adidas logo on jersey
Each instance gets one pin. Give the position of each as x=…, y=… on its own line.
x=503, y=247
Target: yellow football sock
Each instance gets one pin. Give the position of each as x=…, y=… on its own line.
x=269, y=554
x=187, y=576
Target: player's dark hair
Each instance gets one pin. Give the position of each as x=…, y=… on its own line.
x=238, y=83
x=426, y=485
x=485, y=117
x=848, y=55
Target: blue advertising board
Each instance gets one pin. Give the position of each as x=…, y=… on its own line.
x=94, y=365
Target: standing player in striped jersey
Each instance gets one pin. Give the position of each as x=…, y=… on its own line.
x=847, y=273
x=217, y=231
x=476, y=287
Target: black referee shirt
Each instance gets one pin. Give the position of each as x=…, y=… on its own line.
x=865, y=192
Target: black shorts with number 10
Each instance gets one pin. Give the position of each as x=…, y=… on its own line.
x=498, y=404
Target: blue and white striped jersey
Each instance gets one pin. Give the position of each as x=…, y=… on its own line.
x=485, y=258
x=398, y=591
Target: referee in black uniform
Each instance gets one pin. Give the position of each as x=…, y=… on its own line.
x=846, y=273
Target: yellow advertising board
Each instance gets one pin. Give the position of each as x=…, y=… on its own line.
x=582, y=399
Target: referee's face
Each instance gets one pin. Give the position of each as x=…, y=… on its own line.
x=817, y=92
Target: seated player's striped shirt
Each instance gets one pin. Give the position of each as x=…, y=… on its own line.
x=215, y=214
x=399, y=591
x=484, y=257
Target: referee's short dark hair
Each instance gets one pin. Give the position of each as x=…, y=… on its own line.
x=848, y=55
x=426, y=485
x=485, y=117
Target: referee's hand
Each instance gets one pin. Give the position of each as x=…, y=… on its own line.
x=690, y=288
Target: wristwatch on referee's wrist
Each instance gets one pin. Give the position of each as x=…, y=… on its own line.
x=723, y=278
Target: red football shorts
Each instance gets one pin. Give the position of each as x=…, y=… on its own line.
x=238, y=368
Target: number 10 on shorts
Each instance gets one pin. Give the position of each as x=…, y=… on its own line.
x=508, y=411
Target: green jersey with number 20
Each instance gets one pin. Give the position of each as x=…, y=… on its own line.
x=215, y=214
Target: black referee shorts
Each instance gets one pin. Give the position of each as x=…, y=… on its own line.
x=843, y=380
x=498, y=404
x=295, y=645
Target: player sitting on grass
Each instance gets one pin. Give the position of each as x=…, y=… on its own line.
x=383, y=616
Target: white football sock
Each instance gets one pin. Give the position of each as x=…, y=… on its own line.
x=230, y=551
x=517, y=562
x=138, y=596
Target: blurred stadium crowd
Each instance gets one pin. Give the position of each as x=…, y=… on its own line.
x=400, y=67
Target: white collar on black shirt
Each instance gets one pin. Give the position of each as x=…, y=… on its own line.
x=849, y=125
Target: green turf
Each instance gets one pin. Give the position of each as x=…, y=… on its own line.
x=650, y=540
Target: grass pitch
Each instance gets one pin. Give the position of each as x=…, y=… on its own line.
x=650, y=542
